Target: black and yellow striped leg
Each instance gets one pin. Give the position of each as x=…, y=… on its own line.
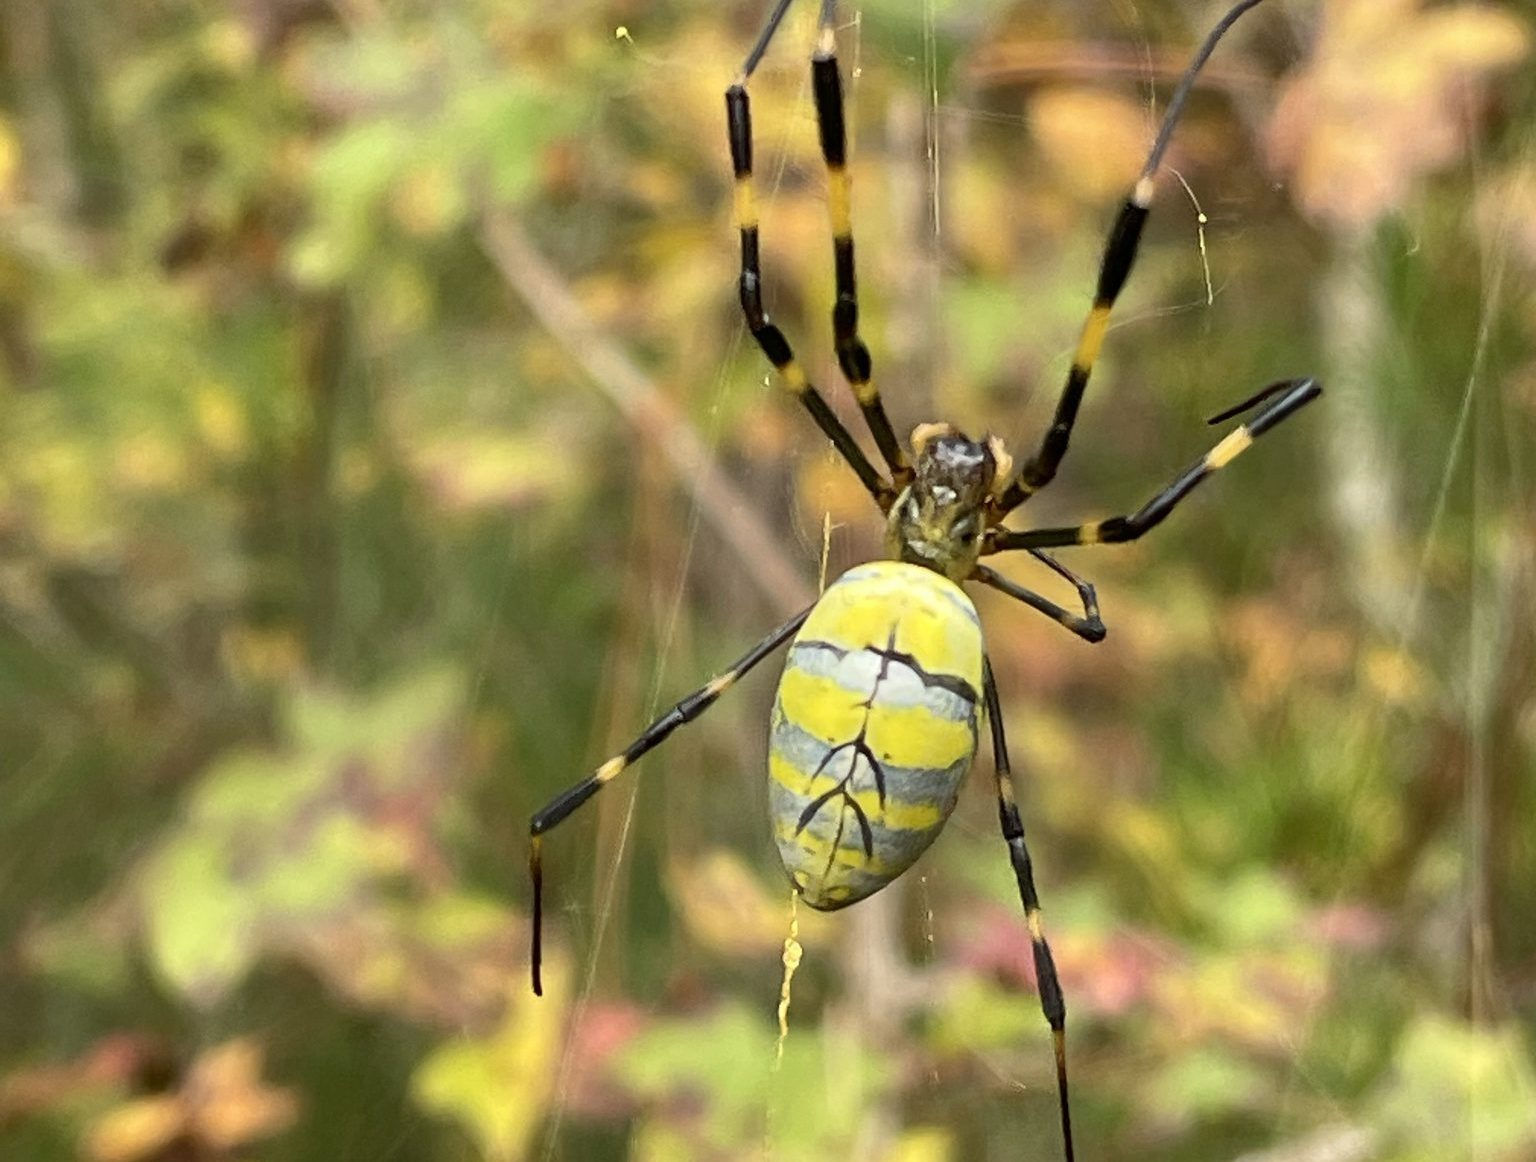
x=558, y=808
x=1089, y=627
x=1051, y=1000
x=769, y=337
x=852, y=353
x=1119, y=255
x=1292, y=396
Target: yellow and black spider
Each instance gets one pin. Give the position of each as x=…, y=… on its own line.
x=887, y=684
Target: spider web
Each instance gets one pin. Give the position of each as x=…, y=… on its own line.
x=1480, y=453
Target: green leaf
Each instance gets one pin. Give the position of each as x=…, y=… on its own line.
x=1460, y=1090
x=978, y=1016
x=498, y=1087
x=277, y=849
x=1205, y=1084
x=808, y=1107
x=202, y=926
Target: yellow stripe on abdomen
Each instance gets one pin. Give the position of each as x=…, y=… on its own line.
x=907, y=736
x=932, y=617
x=900, y=810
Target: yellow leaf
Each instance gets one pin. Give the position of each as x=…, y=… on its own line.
x=1472, y=38
x=221, y=420
x=1096, y=141
x=726, y=908
x=137, y=1130
x=10, y=163
x=467, y=471
x=428, y=202
x=1393, y=675
x=230, y=44
x=923, y=1144
x=232, y=1105
x=498, y=1087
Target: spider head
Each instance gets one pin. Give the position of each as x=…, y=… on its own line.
x=938, y=520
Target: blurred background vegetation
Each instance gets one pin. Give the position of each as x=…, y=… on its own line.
x=380, y=448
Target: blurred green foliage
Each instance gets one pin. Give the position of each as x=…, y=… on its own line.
x=323, y=562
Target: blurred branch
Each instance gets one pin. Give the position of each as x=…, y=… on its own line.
x=1364, y=484
x=880, y=992
x=1014, y=62
x=769, y=563
x=1338, y=1144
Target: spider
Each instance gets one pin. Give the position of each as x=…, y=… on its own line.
x=887, y=684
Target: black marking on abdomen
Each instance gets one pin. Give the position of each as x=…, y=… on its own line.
x=860, y=747
x=957, y=686
x=865, y=831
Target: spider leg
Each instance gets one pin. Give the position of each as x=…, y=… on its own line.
x=852, y=353
x=1088, y=627
x=1051, y=1000
x=1119, y=255
x=1127, y=528
x=775, y=346
x=557, y=809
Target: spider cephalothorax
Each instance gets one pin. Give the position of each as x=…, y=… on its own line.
x=938, y=519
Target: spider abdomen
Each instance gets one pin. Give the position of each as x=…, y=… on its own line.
x=873, y=730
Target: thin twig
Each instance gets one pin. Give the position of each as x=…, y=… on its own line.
x=769, y=563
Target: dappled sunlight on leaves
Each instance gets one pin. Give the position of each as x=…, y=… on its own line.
x=1249, y=1000
x=923, y=1144
x=1205, y=1083
x=10, y=149
x=1394, y=676
x=276, y=850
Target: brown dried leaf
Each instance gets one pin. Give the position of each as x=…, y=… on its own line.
x=111, y=1063
x=1382, y=101
x=727, y=910
x=231, y=1106
x=1094, y=140
x=223, y=1105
